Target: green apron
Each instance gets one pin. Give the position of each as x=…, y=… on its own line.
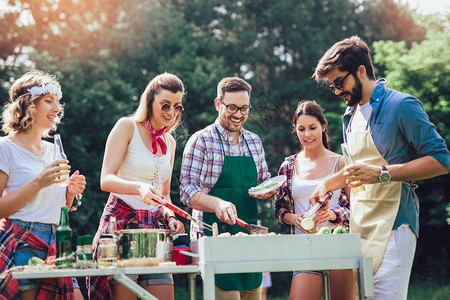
x=237, y=176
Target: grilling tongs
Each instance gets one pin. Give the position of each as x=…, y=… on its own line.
x=311, y=213
x=185, y=214
x=253, y=229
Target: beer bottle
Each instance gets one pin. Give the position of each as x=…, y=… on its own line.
x=59, y=154
x=63, y=241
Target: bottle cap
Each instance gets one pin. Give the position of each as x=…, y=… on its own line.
x=87, y=240
x=80, y=240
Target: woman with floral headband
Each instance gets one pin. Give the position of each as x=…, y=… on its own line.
x=137, y=170
x=30, y=201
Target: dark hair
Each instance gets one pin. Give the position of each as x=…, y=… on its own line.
x=311, y=108
x=165, y=81
x=232, y=84
x=346, y=55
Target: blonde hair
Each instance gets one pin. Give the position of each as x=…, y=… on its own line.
x=17, y=114
x=165, y=81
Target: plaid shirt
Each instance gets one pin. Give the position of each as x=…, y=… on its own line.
x=99, y=287
x=285, y=202
x=12, y=236
x=203, y=161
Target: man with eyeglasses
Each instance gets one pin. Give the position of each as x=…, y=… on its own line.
x=220, y=163
x=393, y=143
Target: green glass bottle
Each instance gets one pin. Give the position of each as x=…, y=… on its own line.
x=63, y=241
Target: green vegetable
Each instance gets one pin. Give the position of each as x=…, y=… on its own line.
x=35, y=261
x=270, y=185
x=324, y=230
x=339, y=230
x=307, y=224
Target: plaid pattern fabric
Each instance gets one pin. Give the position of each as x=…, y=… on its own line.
x=99, y=287
x=203, y=161
x=11, y=236
x=285, y=202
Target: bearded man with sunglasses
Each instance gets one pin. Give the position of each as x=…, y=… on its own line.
x=393, y=144
x=220, y=163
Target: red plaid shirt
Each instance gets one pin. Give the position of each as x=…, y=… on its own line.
x=285, y=202
x=11, y=236
x=99, y=287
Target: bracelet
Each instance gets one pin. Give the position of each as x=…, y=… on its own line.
x=172, y=217
x=76, y=202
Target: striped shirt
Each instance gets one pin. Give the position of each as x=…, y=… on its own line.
x=203, y=161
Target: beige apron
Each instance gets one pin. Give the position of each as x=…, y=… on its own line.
x=373, y=211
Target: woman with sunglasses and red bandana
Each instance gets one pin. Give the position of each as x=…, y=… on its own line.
x=137, y=171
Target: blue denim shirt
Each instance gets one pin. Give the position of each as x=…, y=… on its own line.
x=402, y=132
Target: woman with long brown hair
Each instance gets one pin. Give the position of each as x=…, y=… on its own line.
x=304, y=171
x=137, y=171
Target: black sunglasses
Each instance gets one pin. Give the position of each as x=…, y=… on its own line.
x=232, y=109
x=165, y=107
x=338, y=85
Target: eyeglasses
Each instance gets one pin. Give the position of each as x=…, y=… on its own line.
x=338, y=85
x=165, y=107
x=232, y=109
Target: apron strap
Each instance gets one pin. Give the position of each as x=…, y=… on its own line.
x=221, y=143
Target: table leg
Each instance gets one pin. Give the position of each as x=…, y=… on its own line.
x=209, y=291
x=326, y=284
x=191, y=278
x=365, y=278
x=133, y=286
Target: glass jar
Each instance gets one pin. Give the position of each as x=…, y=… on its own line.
x=107, y=252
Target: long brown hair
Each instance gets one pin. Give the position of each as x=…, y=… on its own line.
x=165, y=81
x=311, y=108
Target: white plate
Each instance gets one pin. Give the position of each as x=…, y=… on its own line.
x=268, y=185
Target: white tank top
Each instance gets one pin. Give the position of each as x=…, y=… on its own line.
x=140, y=164
x=303, y=188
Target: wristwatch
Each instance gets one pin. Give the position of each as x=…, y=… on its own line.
x=384, y=176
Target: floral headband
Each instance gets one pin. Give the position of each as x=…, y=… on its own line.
x=46, y=89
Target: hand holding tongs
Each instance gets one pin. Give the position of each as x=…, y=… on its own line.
x=253, y=229
x=184, y=214
x=311, y=213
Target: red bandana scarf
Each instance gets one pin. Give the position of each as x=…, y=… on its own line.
x=156, y=137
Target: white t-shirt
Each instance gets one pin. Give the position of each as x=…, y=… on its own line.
x=303, y=188
x=21, y=166
x=361, y=117
x=140, y=164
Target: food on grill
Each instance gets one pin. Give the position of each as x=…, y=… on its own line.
x=215, y=229
x=339, y=230
x=324, y=230
x=307, y=224
x=35, y=261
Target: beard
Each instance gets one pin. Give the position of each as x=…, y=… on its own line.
x=230, y=126
x=355, y=94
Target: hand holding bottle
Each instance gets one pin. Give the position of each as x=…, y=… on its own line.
x=53, y=173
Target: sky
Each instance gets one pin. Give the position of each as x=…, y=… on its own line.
x=424, y=6
x=429, y=6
